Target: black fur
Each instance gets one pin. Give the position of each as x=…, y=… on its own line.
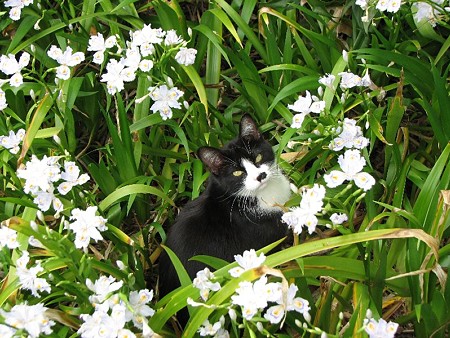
x=218, y=223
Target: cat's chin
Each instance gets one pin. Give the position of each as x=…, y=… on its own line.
x=273, y=194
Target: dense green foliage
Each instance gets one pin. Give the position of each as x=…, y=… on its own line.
x=391, y=256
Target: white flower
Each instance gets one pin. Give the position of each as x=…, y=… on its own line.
x=3, y=103
x=138, y=302
x=99, y=324
x=297, y=304
x=113, y=77
x=28, y=277
x=352, y=164
x=111, y=41
x=186, y=56
x=307, y=104
x=391, y=6
x=6, y=331
x=98, y=57
x=17, y=6
x=380, y=328
x=118, y=72
x=146, y=38
x=327, y=80
x=87, y=226
x=103, y=288
x=16, y=80
x=424, y=11
x=351, y=136
x=297, y=120
x=172, y=38
x=132, y=59
x=44, y=199
x=364, y=4
x=208, y=329
x=350, y=80
x=10, y=66
x=96, y=43
x=14, y=13
x=125, y=333
x=12, y=141
x=146, y=65
x=71, y=176
x=203, y=282
x=39, y=175
x=337, y=219
x=66, y=59
x=305, y=214
x=251, y=297
x=164, y=100
x=248, y=260
x=345, y=55
x=31, y=318
x=99, y=45
x=275, y=314
x=8, y=238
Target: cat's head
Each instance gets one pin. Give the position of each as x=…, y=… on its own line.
x=246, y=165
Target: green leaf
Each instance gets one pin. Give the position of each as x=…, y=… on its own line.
x=132, y=189
x=36, y=122
x=198, y=84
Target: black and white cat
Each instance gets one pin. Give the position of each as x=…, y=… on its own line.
x=239, y=209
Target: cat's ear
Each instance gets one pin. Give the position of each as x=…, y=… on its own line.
x=212, y=158
x=248, y=130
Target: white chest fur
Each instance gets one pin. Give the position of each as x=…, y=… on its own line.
x=267, y=184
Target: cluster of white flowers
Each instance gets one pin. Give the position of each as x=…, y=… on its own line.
x=248, y=260
x=305, y=214
x=350, y=136
x=16, y=7
x=66, y=60
x=255, y=297
x=379, y=328
x=215, y=330
x=3, y=103
x=203, y=282
x=31, y=318
x=429, y=11
x=41, y=175
x=141, y=54
x=113, y=312
x=350, y=80
x=164, y=100
x=10, y=66
x=86, y=226
x=13, y=68
x=338, y=219
x=352, y=164
x=251, y=298
x=28, y=277
x=99, y=45
x=305, y=105
x=13, y=140
x=8, y=238
x=391, y=6
x=327, y=80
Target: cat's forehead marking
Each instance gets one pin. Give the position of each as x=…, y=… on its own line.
x=252, y=169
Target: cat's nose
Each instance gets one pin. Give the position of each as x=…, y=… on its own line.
x=261, y=176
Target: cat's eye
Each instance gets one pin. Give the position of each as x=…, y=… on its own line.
x=238, y=173
x=258, y=158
